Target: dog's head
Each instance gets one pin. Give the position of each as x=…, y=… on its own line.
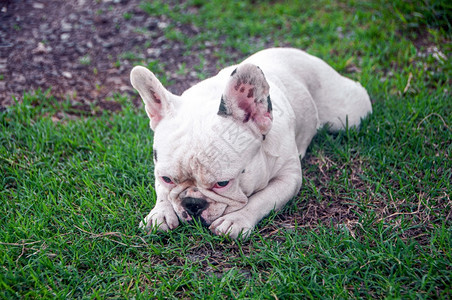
x=207, y=151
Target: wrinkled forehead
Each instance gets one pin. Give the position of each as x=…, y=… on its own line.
x=205, y=153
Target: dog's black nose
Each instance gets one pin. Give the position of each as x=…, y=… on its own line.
x=194, y=206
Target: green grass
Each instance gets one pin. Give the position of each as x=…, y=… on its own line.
x=372, y=220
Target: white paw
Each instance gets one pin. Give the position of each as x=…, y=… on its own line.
x=163, y=219
x=233, y=225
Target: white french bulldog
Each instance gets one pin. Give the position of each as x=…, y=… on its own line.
x=227, y=151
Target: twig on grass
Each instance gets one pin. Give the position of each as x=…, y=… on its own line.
x=19, y=244
x=115, y=234
x=408, y=84
x=21, y=254
x=407, y=213
x=433, y=114
x=25, y=249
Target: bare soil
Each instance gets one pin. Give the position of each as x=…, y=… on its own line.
x=76, y=49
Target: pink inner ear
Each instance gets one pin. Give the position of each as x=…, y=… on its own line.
x=154, y=115
x=244, y=95
x=155, y=96
x=264, y=121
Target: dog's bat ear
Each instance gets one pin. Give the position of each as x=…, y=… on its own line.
x=247, y=99
x=158, y=101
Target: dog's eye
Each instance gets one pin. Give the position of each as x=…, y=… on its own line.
x=221, y=184
x=167, y=179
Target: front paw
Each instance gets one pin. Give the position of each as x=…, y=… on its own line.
x=162, y=219
x=233, y=225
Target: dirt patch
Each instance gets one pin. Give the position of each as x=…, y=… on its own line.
x=81, y=49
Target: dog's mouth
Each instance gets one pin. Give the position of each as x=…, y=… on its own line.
x=193, y=210
x=190, y=219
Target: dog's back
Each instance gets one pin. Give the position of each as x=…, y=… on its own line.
x=316, y=94
x=338, y=100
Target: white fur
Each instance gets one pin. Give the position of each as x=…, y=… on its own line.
x=197, y=147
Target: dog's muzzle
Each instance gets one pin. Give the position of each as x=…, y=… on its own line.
x=194, y=206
